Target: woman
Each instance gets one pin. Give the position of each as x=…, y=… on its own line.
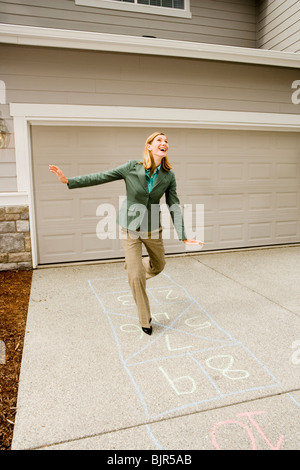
x=139, y=216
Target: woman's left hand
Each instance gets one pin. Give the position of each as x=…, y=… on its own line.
x=189, y=241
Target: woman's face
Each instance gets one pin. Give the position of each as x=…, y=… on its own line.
x=159, y=146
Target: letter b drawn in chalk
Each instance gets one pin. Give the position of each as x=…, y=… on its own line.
x=184, y=380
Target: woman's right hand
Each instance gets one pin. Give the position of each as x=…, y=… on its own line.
x=57, y=171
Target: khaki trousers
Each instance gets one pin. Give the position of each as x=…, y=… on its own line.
x=140, y=269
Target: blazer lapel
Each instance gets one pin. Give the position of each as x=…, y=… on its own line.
x=161, y=177
x=142, y=177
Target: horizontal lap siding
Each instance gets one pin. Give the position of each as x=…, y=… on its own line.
x=8, y=180
x=45, y=75
x=213, y=21
x=278, y=25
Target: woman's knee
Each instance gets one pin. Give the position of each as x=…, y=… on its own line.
x=158, y=267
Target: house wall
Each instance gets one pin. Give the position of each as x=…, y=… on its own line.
x=224, y=22
x=8, y=180
x=278, y=25
x=64, y=76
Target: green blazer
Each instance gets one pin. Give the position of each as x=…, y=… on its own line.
x=141, y=209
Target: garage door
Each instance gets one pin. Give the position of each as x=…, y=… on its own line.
x=248, y=182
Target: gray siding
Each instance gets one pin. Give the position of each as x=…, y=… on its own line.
x=225, y=22
x=8, y=179
x=278, y=25
x=64, y=76
x=50, y=75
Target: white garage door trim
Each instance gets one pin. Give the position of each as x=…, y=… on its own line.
x=36, y=114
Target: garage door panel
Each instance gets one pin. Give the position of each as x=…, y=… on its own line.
x=87, y=207
x=258, y=202
x=64, y=247
x=91, y=208
x=287, y=171
x=288, y=200
x=200, y=172
x=287, y=230
x=260, y=232
x=57, y=209
x=231, y=203
x=232, y=233
x=90, y=245
x=260, y=172
x=58, y=246
x=231, y=172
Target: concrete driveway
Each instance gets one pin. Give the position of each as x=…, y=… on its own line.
x=220, y=371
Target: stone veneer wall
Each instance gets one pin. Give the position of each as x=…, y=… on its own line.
x=15, y=245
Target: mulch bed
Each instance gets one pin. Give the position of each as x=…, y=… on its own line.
x=14, y=298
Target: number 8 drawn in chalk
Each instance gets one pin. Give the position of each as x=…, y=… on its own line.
x=226, y=371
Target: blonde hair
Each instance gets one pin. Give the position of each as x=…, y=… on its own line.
x=148, y=162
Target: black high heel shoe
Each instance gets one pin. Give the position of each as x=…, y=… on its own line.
x=148, y=331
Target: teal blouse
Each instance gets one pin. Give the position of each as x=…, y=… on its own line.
x=151, y=179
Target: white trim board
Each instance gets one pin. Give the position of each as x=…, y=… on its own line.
x=25, y=115
x=14, y=199
x=51, y=37
x=144, y=116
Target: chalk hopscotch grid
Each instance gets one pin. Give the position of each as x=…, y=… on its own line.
x=231, y=341
x=223, y=344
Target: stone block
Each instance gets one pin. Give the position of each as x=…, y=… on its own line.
x=15, y=243
x=15, y=209
x=19, y=257
x=7, y=227
x=8, y=266
x=3, y=258
x=12, y=243
x=22, y=225
x=27, y=243
x=12, y=216
x=25, y=265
